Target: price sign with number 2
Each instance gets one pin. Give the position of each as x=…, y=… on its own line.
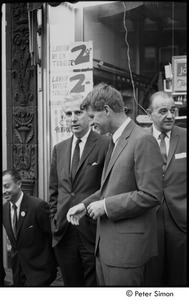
x=72, y=73
x=81, y=55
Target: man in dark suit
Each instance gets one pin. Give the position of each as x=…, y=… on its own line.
x=131, y=189
x=74, y=247
x=27, y=224
x=169, y=268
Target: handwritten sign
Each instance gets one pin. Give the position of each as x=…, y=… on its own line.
x=59, y=128
x=73, y=56
x=70, y=82
x=71, y=71
x=179, y=73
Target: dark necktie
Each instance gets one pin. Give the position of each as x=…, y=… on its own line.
x=75, y=158
x=14, y=220
x=109, y=154
x=163, y=148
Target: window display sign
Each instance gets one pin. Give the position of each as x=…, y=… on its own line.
x=76, y=55
x=70, y=82
x=179, y=64
x=70, y=72
x=59, y=129
x=71, y=69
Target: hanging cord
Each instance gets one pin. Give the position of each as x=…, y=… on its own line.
x=128, y=56
x=173, y=12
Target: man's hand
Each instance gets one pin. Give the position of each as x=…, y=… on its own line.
x=96, y=209
x=75, y=213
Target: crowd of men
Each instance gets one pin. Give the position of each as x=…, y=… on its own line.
x=116, y=213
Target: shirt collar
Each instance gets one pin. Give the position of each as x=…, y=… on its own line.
x=119, y=131
x=18, y=202
x=156, y=132
x=83, y=139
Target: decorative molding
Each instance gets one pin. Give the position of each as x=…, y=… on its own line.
x=24, y=160
x=20, y=13
x=24, y=129
x=21, y=81
x=22, y=71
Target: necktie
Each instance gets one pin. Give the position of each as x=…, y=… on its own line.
x=75, y=158
x=14, y=220
x=163, y=148
x=109, y=154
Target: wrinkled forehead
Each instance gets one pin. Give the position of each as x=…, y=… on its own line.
x=72, y=105
x=160, y=102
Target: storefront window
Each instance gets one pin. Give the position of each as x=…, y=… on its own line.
x=132, y=42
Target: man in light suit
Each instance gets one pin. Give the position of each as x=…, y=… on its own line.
x=131, y=189
x=28, y=229
x=74, y=247
x=169, y=268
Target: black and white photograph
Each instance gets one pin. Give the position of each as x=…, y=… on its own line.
x=94, y=154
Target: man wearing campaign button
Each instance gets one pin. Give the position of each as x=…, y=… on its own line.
x=169, y=268
x=27, y=224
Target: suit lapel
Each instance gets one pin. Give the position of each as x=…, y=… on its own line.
x=7, y=219
x=23, y=212
x=66, y=154
x=123, y=140
x=87, y=149
x=173, y=144
x=7, y=224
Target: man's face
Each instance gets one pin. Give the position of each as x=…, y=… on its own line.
x=76, y=118
x=99, y=120
x=11, y=189
x=163, y=113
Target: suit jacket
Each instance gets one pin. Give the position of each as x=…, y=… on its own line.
x=65, y=193
x=174, y=180
x=32, y=249
x=132, y=188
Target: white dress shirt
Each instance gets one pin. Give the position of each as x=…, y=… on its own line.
x=119, y=131
x=156, y=134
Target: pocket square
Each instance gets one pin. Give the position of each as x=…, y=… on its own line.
x=94, y=164
x=180, y=155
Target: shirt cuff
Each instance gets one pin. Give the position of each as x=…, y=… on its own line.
x=105, y=206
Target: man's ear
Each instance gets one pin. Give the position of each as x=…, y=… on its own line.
x=107, y=110
x=149, y=113
x=19, y=183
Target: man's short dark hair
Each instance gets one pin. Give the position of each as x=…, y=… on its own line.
x=101, y=95
x=14, y=174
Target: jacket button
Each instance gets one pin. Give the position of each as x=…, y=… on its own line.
x=72, y=194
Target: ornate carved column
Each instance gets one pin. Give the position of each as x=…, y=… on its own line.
x=22, y=129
